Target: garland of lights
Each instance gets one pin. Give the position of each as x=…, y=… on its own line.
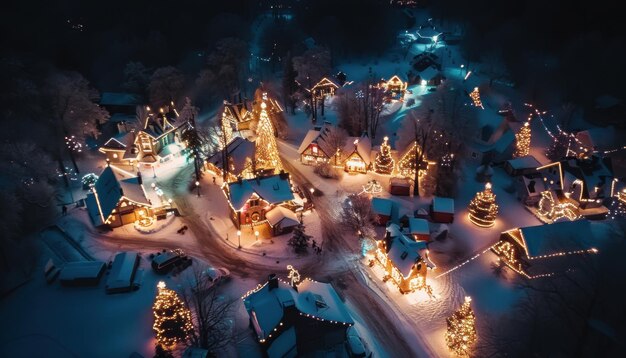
x=384, y=163
x=227, y=131
x=172, y=319
x=522, y=141
x=461, y=333
x=266, y=150
x=550, y=210
x=372, y=187
x=73, y=144
x=475, y=96
x=406, y=165
x=483, y=209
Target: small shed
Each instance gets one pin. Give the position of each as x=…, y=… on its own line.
x=418, y=228
x=400, y=186
x=282, y=220
x=442, y=210
x=522, y=165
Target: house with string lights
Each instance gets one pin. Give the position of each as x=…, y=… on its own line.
x=384, y=210
x=119, y=198
x=315, y=147
x=539, y=251
x=255, y=202
x=299, y=319
x=404, y=259
x=239, y=155
x=357, y=154
x=239, y=114
x=407, y=161
x=394, y=88
x=324, y=87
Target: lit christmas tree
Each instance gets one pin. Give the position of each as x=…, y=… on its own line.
x=483, y=209
x=475, y=96
x=522, y=141
x=300, y=240
x=265, y=145
x=227, y=131
x=172, y=319
x=384, y=163
x=461, y=334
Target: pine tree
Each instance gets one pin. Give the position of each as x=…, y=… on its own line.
x=226, y=131
x=265, y=146
x=522, y=141
x=172, y=319
x=384, y=163
x=300, y=240
x=461, y=334
x=289, y=84
x=483, y=209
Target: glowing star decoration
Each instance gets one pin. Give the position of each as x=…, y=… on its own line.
x=522, y=141
x=372, y=187
x=483, y=209
x=461, y=333
x=293, y=276
x=172, y=319
x=552, y=211
x=384, y=163
x=265, y=145
x=475, y=96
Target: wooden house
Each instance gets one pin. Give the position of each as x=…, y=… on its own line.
x=536, y=251
x=400, y=186
x=406, y=162
x=419, y=229
x=251, y=199
x=238, y=114
x=315, y=147
x=404, y=260
x=357, y=155
x=306, y=319
x=442, y=210
x=239, y=154
x=394, y=88
x=325, y=87
x=430, y=76
x=521, y=166
x=121, y=149
x=118, y=199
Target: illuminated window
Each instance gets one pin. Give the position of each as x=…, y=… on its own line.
x=314, y=150
x=115, y=155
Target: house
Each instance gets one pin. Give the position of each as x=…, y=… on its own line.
x=588, y=181
x=239, y=153
x=394, y=88
x=400, y=186
x=316, y=147
x=357, y=155
x=303, y=320
x=120, y=149
x=238, y=114
x=406, y=162
x=281, y=220
x=404, y=260
x=120, y=102
x=384, y=210
x=495, y=139
x=424, y=60
x=521, y=166
x=430, y=76
x=442, y=210
x=428, y=34
x=325, y=87
x=419, y=230
x=118, y=199
x=545, y=178
x=251, y=199
x=536, y=251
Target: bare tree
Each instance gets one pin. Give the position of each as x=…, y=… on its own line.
x=166, y=85
x=335, y=140
x=136, y=77
x=312, y=66
x=210, y=312
x=356, y=214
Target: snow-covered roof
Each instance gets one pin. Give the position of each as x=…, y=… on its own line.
x=325, y=82
x=558, y=237
x=121, y=117
x=81, y=270
x=429, y=73
x=284, y=346
x=274, y=189
x=382, y=206
x=122, y=270
x=266, y=306
x=282, y=215
x=172, y=148
x=363, y=148
x=592, y=172
x=308, y=139
x=404, y=252
x=320, y=300
x=400, y=182
x=393, y=230
x=428, y=32
x=525, y=162
x=119, y=99
x=239, y=150
x=239, y=112
x=418, y=226
x=443, y=205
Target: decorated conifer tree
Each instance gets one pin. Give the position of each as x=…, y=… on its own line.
x=522, y=141
x=475, y=96
x=265, y=146
x=384, y=163
x=300, y=240
x=227, y=131
x=461, y=334
x=483, y=208
x=172, y=319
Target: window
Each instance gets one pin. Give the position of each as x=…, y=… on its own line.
x=314, y=150
x=115, y=155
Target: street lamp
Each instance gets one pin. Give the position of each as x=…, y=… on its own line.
x=153, y=172
x=198, y=186
x=256, y=235
x=239, y=238
x=153, y=185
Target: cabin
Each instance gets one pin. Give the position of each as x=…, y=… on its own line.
x=394, y=88
x=494, y=142
x=325, y=87
x=587, y=180
x=357, y=155
x=423, y=61
x=239, y=114
x=384, y=210
x=239, y=154
x=400, y=186
x=120, y=149
x=404, y=260
x=82, y=273
x=118, y=199
x=316, y=147
x=537, y=251
x=521, y=166
x=430, y=76
x=281, y=220
x=406, y=162
x=124, y=276
x=251, y=199
x=442, y=210
x=419, y=230
x=428, y=34
x=305, y=319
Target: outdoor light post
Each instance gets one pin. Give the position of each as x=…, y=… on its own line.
x=239, y=239
x=153, y=172
x=256, y=235
x=198, y=186
x=312, y=190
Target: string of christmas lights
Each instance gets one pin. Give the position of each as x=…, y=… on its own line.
x=227, y=134
x=461, y=333
x=522, y=141
x=384, y=163
x=73, y=144
x=549, y=209
x=172, y=319
x=475, y=96
x=266, y=150
x=483, y=209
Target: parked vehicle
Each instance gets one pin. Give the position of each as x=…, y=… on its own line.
x=209, y=278
x=123, y=273
x=168, y=260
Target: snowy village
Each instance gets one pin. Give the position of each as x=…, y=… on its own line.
x=313, y=178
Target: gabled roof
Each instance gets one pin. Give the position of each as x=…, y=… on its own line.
x=566, y=236
x=282, y=215
x=119, y=99
x=443, y=205
x=238, y=111
x=239, y=150
x=274, y=189
x=363, y=148
x=382, y=206
x=418, y=226
x=404, y=252
x=320, y=300
x=552, y=175
x=267, y=306
x=428, y=73
x=592, y=172
x=325, y=82
x=525, y=162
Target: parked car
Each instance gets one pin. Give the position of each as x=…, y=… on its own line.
x=168, y=260
x=209, y=277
